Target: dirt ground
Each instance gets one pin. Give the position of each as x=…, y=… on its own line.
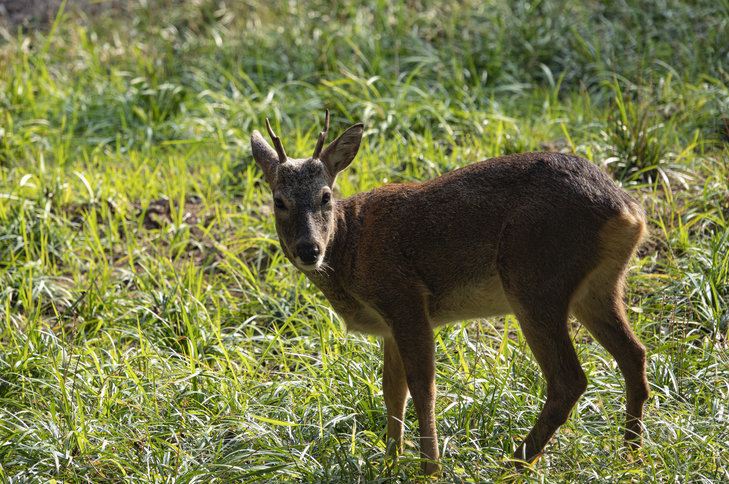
x=35, y=14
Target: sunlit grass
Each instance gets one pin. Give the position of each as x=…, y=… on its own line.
x=152, y=331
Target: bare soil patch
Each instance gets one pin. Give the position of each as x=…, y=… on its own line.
x=39, y=14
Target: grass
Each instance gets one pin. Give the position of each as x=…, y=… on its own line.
x=152, y=331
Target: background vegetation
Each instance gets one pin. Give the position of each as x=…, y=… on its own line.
x=150, y=329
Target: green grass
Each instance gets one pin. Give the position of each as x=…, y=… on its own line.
x=152, y=331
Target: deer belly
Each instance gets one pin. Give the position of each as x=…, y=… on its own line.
x=366, y=320
x=479, y=300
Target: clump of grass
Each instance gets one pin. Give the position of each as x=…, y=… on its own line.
x=636, y=133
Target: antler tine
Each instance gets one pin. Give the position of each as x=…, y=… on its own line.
x=276, y=143
x=322, y=138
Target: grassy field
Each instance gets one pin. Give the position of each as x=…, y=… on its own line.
x=152, y=331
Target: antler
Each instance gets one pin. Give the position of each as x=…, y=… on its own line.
x=322, y=137
x=276, y=143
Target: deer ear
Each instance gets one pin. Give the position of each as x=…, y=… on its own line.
x=339, y=153
x=265, y=156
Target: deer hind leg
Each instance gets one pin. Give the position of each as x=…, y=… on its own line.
x=548, y=337
x=395, y=390
x=598, y=304
x=600, y=308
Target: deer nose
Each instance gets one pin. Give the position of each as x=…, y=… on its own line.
x=307, y=252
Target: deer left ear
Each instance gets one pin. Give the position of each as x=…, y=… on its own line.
x=339, y=153
x=265, y=156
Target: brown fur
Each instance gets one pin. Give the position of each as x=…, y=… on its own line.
x=538, y=235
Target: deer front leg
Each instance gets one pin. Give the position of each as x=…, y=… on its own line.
x=395, y=390
x=414, y=339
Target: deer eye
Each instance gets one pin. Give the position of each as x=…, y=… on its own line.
x=278, y=203
x=325, y=198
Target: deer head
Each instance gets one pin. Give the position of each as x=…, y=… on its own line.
x=302, y=191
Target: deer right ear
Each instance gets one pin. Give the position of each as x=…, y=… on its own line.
x=339, y=153
x=265, y=156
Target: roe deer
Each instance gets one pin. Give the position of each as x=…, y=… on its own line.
x=537, y=235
